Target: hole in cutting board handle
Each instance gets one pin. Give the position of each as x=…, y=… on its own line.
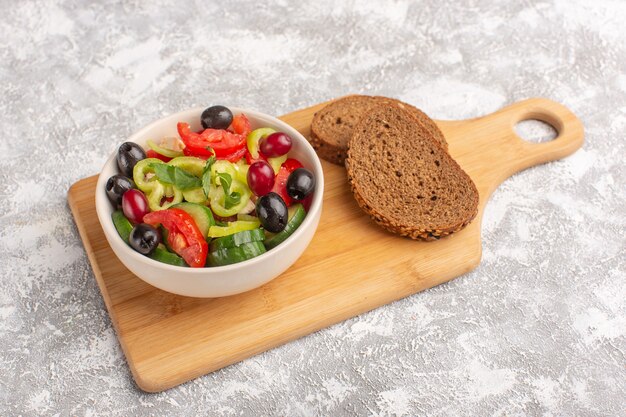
x=535, y=131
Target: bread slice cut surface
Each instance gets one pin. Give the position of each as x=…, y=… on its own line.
x=404, y=179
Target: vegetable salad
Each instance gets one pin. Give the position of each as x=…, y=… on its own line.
x=222, y=195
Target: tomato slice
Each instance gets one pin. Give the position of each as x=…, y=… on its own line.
x=221, y=142
x=280, y=183
x=195, y=145
x=154, y=154
x=241, y=125
x=235, y=156
x=187, y=151
x=183, y=235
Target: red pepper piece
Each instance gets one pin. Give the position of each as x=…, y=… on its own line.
x=241, y=125
x=235, y=156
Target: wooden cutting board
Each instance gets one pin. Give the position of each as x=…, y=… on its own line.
x=351, y=266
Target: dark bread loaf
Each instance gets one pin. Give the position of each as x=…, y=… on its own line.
x=332, y=126
x=405, y=180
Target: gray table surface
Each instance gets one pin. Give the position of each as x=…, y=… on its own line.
x=538, y=329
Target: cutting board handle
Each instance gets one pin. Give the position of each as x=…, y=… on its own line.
x=570, y=131
x=491, y=151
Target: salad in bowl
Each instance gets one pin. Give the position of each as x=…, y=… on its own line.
x=205, y=196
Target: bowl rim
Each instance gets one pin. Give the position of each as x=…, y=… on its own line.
x=316, y=204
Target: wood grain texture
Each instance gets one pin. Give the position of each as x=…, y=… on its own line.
x=351, y=266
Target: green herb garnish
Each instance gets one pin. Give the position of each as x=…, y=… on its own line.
x=176, y=176
x=206, y=176
x=230, y=199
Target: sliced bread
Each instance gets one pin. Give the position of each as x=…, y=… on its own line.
x=405, y=180
x=332, y=126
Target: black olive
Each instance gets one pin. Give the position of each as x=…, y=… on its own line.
x=116, y=186
x=300, y=183
x=216, y=117
x=128, y=155
x=272, y=212
x=144, y=238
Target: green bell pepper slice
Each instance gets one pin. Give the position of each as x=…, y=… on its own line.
x=254, y=137
x=194, y=166
x=143, y=174
x=233, y=227
x=222, y=167
x=170, y=153
x=163, y=196
x=277, y=162
x=195, y=195
x=241, y=173
x=217, y=198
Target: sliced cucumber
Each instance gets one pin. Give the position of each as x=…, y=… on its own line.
x=161, y=254
x=201, y=214
x=233, y=227
x=237, y=239
x=122, y=224
x=296, y=216
x=234, y=255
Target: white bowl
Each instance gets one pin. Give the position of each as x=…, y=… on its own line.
x=224, y=280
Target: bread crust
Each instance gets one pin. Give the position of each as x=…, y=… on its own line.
x=331, y=143
x=325, y=151
x=404, y=228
